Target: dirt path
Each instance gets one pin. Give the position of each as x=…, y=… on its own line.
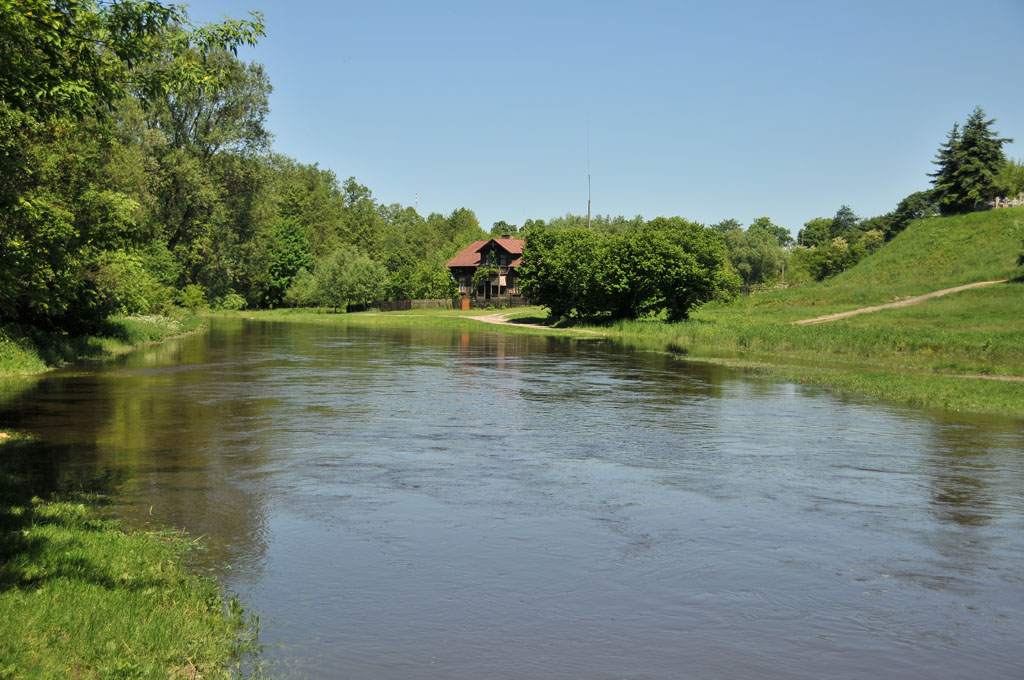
x=898, y=303
x=503, y=319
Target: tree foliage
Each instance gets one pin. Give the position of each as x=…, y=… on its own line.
x=968, y=164
x=75, y=57
x=755, y=254
x=290, y=256
x=68, y=67
x=1010, y=182
x=667, y=264
x=349, y=277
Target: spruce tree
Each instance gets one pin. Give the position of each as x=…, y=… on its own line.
x=947, y=160
x=968, y=163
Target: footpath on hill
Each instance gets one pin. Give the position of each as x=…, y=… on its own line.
x=899, y=303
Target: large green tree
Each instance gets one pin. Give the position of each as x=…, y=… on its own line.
x=290, y=256
x=349, y=277
x=668, y=264
x=816, y=232
x=755, y=254
x=68, y=66
x=968, y=165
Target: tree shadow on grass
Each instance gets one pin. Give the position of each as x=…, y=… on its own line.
x=32, y=477
x=55, y=349
x=533, y=320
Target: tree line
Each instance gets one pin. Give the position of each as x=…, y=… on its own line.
x=137, y=172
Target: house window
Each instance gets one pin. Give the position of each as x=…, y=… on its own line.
x=502, y=259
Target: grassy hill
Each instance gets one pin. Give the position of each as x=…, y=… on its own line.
x=931, y=254
x=913, y=354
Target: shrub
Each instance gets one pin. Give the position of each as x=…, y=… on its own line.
x=124, y=286
x=193, y=297
x=231, y=301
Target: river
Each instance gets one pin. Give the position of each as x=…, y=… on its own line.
x=456, y=504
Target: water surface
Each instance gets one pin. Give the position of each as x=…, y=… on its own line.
x=435, y=504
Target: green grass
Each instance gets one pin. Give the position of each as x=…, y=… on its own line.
x=929, y=255
x=25, y=351
x=85, y=597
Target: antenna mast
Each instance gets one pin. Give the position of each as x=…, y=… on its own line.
x=588, y=177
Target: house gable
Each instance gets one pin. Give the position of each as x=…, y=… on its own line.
x=504, y=253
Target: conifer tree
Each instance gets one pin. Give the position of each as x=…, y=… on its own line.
x=968, y=163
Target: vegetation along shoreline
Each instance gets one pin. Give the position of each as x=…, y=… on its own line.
x=139, y=189
x=85, y=596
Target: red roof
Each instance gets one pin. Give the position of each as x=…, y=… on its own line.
x=470, y=257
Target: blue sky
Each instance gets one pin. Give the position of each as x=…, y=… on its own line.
x=708, y=110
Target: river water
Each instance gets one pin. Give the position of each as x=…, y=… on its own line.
x=450, y=504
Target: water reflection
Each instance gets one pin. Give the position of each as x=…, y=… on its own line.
x=447, y=504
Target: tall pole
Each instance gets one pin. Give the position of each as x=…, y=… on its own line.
x=588, y=177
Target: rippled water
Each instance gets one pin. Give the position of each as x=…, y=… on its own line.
x=423, y=504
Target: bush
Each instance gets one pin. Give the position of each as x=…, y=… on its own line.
x=124, y=286
x=230, y=302
x=193, y=297
x=301, y=292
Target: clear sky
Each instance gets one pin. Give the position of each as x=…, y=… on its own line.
x=708, y=110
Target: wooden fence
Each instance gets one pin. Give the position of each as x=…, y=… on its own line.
x=456, y=303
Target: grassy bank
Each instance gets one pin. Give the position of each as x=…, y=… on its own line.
x=27, y=351
x=913, y=355
x=86, y=597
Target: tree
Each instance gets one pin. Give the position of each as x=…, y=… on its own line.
x=917, y=205
x=290, y=256
x=844, y=223
x=969, y=163
x=1011, y=179
x=77, y=57
x=781, y=234
x=816, y=232
x=755, y=254
x=725, y=226
x=557, y=268
x=68, y=67
x=349, y=277
x=501, y=228
x=669, y=264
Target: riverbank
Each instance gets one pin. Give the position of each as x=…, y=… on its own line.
x=940, y=353
x=960, y=352
x=26, y=351
x=86, y=597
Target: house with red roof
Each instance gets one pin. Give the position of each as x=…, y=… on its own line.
x=500, y=256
